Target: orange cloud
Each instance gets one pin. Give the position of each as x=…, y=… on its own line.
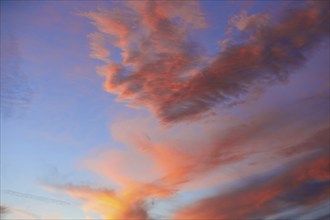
x=108, y=203
x=129, y=203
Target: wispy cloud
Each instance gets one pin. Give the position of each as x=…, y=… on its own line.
x=98, y=49
x=35, y=197
x=15, y=89
x=18, y=213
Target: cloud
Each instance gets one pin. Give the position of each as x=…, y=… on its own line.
x=177, y=169
x=17, y=213
x=272, y=193
x=98, y=50
x=243, y=22
x=183, y=157
x=158, y=162
x=34, y=197
x=320, y=139
x=126, y=204
x=165, y=69
x=3, y=210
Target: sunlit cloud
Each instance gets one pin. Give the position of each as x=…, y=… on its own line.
x=158, y=162
x=157, y=54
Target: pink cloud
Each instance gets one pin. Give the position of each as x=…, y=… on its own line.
x=98, y=50
x=158, y=53
x=262, y=198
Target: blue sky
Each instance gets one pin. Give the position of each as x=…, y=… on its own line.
x=187, y=105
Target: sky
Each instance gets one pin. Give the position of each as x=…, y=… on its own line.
x=165, y=110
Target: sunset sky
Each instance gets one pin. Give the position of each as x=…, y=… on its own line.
x=165, y=110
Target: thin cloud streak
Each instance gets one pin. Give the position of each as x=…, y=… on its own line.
x=35, y=197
